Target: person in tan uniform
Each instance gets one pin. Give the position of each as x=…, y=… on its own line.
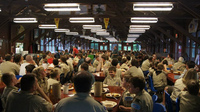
x=112, y=79
x=8, y=66
x=146, y=64
x=96, y=61
x=25, y=100
x=179, y=65
x=114, y=63
x=189, y=100
x=124, y=66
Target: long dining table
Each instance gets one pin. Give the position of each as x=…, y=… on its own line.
x=112, y=89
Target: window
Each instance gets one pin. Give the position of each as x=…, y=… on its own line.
x=96, y=46
x=136, y=47
x=92, y=45
x=106, y=47
x=119, y=47
x=111, y=47
x=188, y=45
x=101, y=47
x=125, y=48
x=129, y=48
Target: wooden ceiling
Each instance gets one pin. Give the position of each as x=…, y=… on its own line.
x=119, y=12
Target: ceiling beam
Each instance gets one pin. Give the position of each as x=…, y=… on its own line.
x=154, y=39
x=41, y=35
x=180, y=29
x=154, y=33
x=168, y=35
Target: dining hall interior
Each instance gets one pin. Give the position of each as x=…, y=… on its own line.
x=99, y=56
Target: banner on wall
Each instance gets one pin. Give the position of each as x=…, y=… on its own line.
x=106, y=21
x=192, y=27
x=57, y=21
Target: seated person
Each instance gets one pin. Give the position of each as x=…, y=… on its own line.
x=126, y=94
x=29, y=68
x=114, y=63
x=179, y=65
x=112, y=79
x=146, y=64
x=81, y=101
x=54, y=77
x=159, y=78
x=91, y=69
x=25, y=100
x=189, y=100
x=84, y=67
x=10, y=81
x=124, y=66
x=96, y=61
x=142, y=102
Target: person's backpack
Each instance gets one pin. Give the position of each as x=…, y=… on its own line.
x=66, y=78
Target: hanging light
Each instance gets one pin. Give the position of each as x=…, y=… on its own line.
x=152, y=6
x=25, y=20
x=82, y=20
x=62, y=7
x=144, y=20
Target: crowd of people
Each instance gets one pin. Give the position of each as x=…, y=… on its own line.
x=129, y=70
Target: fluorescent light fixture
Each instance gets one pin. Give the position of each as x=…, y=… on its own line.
x=61, y=30
x=47, y=26
x=0, y=9
x=133, y=35
x=25, y=20
x=71, y=33
x=82, y=20
x=62, y=7
x=111, y=39
x=152, y=6
x=146, y=27
x=92, y=26
x=144, y=20
x=137, y=31
x=98, y=30
x=102, y=33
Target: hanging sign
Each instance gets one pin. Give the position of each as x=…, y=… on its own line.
x=57, y=21
x=106, y=20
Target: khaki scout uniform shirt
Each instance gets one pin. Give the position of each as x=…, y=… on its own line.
x=115, y=81
x=96, y=63
x=8, y=66
x=43, y=84
x=188, y=102
x=145, y=65
x=26, y=102
x=6, y=91
x=124, y=66
x=118, y=72
x=142, y=102
x=178, y=64
x=80, y=102
x=160, y=79
x=134, y=71
x=106, y=64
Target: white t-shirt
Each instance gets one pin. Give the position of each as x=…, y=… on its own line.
x=51, y=82
x=22, y=70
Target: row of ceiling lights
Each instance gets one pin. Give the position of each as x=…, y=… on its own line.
x=138, y=29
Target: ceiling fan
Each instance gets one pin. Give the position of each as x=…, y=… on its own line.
x=99, y=9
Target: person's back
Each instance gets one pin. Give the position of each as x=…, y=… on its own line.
x=145, y=65
x=26, y=102
x=134, y=71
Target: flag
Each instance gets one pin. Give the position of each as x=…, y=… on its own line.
x=57, y=21
x=106, y=20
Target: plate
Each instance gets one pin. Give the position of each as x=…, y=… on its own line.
x=105, y=85
x=71, y=88
x=105, y=90
x=113, y=95
x=109, y=104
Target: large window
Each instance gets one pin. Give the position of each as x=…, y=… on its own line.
x=129, y=48
x=125, y=48
x=101, y=47
x=111, y=47
x=96, y=46
x=119, y=47
x=136, y=47
x=92, y=45
x=106, y=47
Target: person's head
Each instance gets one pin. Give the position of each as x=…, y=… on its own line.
x=48, y=53
x=181, y=59
x=29, y=83
x=8, y=57
x=55, y=62
x=29, y=58
x=150, y=58
x=112, y=71
x=82, y=82
x=190, y=64
x=128, y=58
x=160, y=66
x=119, y=58
x=123, y=60
x=165, y=62
x=97, y=57
x=115, y=47
x=9, y=79
x=190, y=74
x=44, y=56
x=154, y=57
x=193, y=87
x=79, y=55
x=84, y=66
x=104, y=57
x=29, y=68
x=125, y=81
x=88, y=60
x=137, y=84
x=39, y=72
x=114, y=62
x=17, y=58
x=54, y=73
x=134, y=62
x=170, y=55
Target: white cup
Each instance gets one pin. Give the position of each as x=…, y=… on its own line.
x=65, y=89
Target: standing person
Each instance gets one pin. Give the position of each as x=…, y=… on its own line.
x=81, y=101
x=75, y=50
x=25, y=100
x=71, y=50
x=57, y=55
x=115, y=52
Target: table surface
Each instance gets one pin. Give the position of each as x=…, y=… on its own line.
x=170, y=76
x=112, y=89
